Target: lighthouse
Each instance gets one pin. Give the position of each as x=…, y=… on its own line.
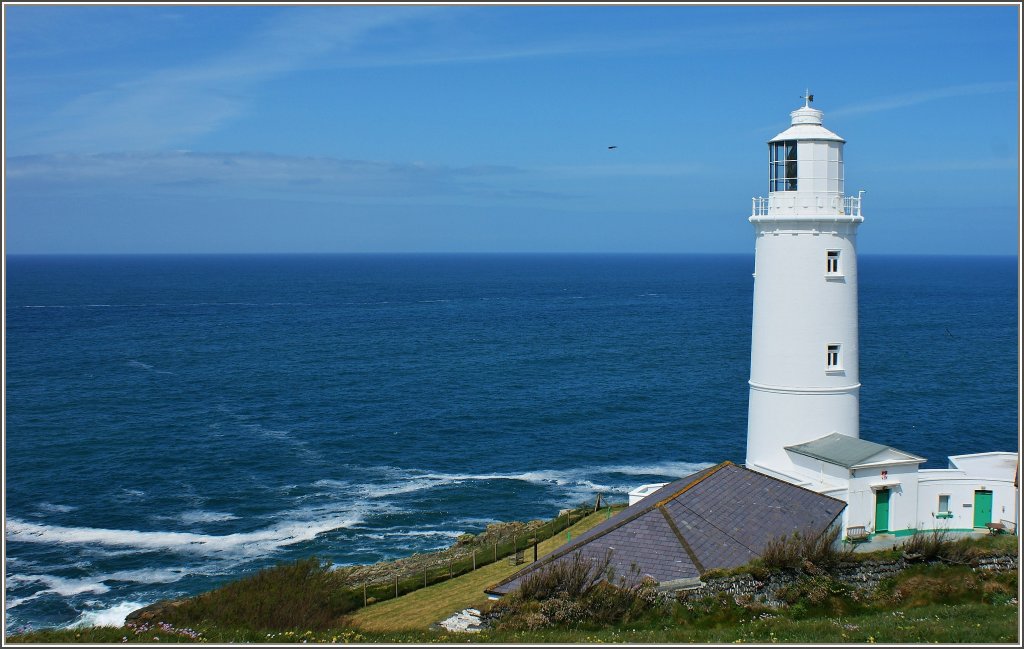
x=804, y=379
x=803, y=419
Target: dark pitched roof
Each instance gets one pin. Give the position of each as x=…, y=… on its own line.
x=720, y=517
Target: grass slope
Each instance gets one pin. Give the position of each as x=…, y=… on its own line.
x=420, y=609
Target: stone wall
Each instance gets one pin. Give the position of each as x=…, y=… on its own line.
x=863, y=576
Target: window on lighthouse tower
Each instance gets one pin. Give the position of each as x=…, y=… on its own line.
x=832, y=357
x=832, y=262
x=782, y=166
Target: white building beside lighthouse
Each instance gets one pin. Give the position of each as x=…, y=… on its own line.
x=803, y=420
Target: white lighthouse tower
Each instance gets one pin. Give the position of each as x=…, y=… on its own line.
x=804, y=381
x=803, y=422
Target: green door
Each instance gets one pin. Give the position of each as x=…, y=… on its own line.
x=882, y=510
x=982, y=508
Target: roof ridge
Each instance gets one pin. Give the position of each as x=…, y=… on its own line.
x=823, y=495
x=694, y=483
x=569, y=547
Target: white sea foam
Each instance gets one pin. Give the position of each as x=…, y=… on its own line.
x=475, y=521
x=406, y=486
x=147, y=575
x=405, y=532
x=145, y=366
x=333, y=484
x=239, y=544
x=52, y=508
x=200, y=516
x=113, y=616
x=63, y=586
x=665, y=469
x=13, y=602
x=571, y=485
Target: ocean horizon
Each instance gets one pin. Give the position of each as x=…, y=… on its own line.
x=177, y=421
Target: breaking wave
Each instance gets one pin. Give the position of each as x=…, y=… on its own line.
x=113, y=616
x=248, y=544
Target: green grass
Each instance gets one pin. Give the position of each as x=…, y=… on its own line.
x=973, y=623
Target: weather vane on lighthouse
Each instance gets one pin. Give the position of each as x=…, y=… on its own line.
x=807, y=97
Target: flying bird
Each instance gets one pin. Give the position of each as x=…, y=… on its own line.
x=613, y=147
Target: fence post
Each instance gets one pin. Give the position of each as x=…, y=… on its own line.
x=449, y=569
x=364, y=594
x=495, y=550
x=424, y=577
x=474, y=560
x=536, y=542
x=396, y=586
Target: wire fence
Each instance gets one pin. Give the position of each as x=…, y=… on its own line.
x=508, y=548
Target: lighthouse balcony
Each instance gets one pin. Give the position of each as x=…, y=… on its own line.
x=799, y=204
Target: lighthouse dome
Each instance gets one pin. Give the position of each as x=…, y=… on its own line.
x=806, y=125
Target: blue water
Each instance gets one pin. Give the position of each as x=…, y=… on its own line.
x=177, y=421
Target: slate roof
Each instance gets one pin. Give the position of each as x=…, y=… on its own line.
x=848, y=452
x=720, y=517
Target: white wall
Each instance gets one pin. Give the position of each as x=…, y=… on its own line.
x=799, y=309
x=819, y=470
x=903, y=497
x=960, y=486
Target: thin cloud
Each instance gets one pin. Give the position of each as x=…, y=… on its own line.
x=189, y=172
x=924, y=96
x=172, y=105
x=985, y=164
x=622, y=170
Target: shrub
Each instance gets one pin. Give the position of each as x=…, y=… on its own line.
x=304, y=594
x=939, y=545
x=817, y=593
x=927, y=546
x=573, y=592
x=572, y=578
x=805, y=551
x=945, y=584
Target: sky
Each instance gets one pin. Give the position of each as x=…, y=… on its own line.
x=484, y=128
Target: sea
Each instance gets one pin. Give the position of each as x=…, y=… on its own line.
x=175, y=422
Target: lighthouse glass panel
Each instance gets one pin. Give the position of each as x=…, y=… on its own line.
x=782, y=166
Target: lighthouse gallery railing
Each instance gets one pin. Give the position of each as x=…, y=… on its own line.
x=840, y=205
